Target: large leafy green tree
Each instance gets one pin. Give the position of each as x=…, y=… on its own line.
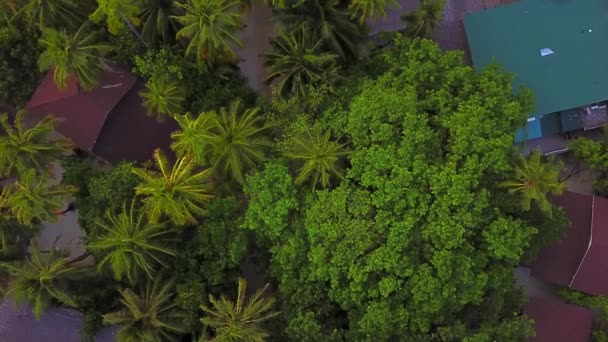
x=319, y=157
x=533, y=179
x=210, y=28
x=422, y=21
x=370, y=9
x=42, y=279
x=415, y=242
x=163, y=97
x=296, y=61
x=148, y=315
x=132, y=246
x=329, y=22
x=80, y=54
x=177, y=191
x=32, y=198
x=239, y=320
x=23, y=147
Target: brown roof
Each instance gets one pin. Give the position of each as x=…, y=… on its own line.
x=558, y=262
x=108, y=120
x=592, y=275
x=130, y=134
x=559, y=322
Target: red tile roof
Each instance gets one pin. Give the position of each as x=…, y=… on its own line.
x=557, y=263
x=109, y=120
x=592, y=275
x=559, y=322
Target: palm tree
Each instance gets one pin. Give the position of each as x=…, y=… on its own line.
x=422, y=21
x=235, y=143
x=150, y=315
x=47, y=13
x=193, y=136
x=370, y=9
x=330, y=23
x=533, y=178
x=42, y=279
x=79, y=54
x=210, y=28
x=320, y=157
x=132, y=245
x=23, y=148
x=163, y=96
x=32, y=198
x=117, y=13
x=177, y=191
x=297, y=61
x=240, y=320
x=158, y=20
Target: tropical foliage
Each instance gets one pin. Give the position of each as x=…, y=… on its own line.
x=48, y=13
x=163, y=97
x=32, y=198
x=297, y=62
x=422, y=21
x=80, y=55
x=117, y=14
x=23, y=147
x=132, y=246
x=374, y=192
x=210, y=28
x=370, y=9
x=320, y=158
x=330, y=23
x=231, y=141
x=235, y=140
x=42, y=279
x=239, y=320
x=533, y=179
x=176, y=191
x=147, y=315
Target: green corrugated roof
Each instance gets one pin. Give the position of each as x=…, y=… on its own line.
x=576, y=74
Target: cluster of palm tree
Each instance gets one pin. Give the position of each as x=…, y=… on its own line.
x=27, y=153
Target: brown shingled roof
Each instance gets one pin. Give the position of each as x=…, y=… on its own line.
x=578, y=259
x=557, y=263
x=592, y=274
x=559, y=322
x=108, y=121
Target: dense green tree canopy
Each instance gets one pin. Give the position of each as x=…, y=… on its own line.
x=414, y=241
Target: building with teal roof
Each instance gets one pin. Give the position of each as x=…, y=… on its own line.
x=556, y=48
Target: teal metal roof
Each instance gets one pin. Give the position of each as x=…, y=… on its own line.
x=574, y=33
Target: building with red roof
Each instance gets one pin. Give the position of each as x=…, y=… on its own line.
x=108, y=121
x=578, y=259
x=559, y=322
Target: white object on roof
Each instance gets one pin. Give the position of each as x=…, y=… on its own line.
x=531, y=119
x=545, y=52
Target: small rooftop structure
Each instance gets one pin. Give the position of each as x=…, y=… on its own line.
x=559, y=322
x=108, y=121
x=577, y=260
x=557, y=49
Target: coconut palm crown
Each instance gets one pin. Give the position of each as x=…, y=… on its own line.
x=132, y=246
x=176, y=191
